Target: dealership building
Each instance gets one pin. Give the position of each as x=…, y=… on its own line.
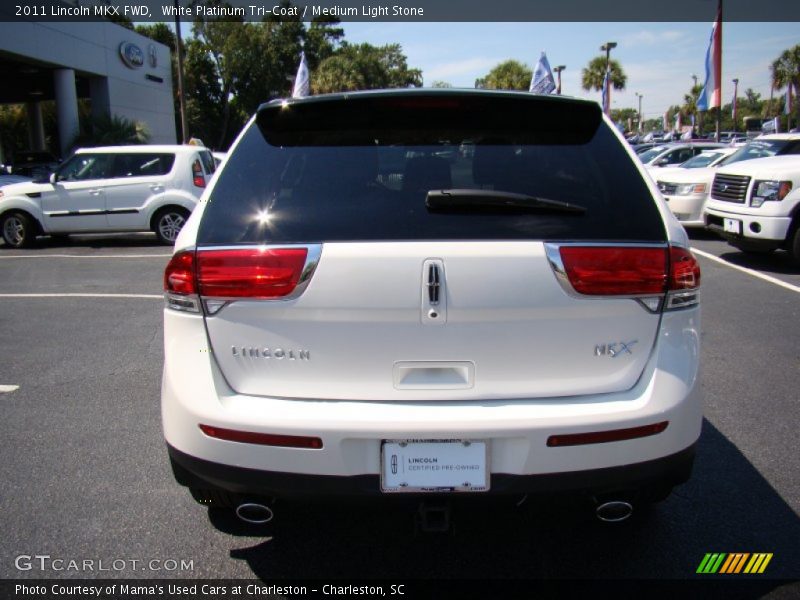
x=121, y=72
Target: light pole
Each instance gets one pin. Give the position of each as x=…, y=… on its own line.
x=735, y=94
x=640, y=96
x=607, y=47
x=694, y=77
x=558, y=70
x=181, y=97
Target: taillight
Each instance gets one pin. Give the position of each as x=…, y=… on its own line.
x=684, y=279
x=198, y=178
x=647, y=273
x=220, y=276
x=250, y=273
x=615, y=271
x=179, y=274
x=684, y=272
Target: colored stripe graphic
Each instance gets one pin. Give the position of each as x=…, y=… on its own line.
x=734, y=563
x=711, y=563
x=758, y=563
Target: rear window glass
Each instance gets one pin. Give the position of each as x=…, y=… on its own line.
x=208, y=162
x=322, y=186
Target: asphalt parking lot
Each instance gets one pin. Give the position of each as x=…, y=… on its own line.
x=85, y=472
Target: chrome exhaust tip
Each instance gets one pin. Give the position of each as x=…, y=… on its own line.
x=254, y=513
x=614, y=511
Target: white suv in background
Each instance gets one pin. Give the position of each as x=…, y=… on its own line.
x=755, y=205
x=110, y=189
x=360, y=309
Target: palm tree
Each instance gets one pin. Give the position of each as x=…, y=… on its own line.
x=595, y=72
x=786, y=70
x=689, y=107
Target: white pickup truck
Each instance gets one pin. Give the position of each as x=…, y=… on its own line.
x=755, y=204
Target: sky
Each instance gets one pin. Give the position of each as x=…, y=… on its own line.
x=658, y=58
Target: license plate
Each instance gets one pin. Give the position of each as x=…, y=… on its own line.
x=732, y=226
x=434, y=466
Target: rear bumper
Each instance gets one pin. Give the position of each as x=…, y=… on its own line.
x=195, y=392
x=202, y=474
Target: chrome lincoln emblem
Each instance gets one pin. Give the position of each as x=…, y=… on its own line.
x=394, y=464
x=723, y=187
x=152, y=56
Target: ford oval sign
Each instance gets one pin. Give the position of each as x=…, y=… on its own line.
x=131, y=55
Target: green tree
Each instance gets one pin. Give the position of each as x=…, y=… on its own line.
x=113, y=130
x=623, y=115
x=364, y=67
x=159, y=32
x=253, y=63
x=752, y=101
x=689, y=107
x=593, y=75
x=322, y=39
x=441, y=84
x=508, y=75
x=786, y=72
x=786, y=69
x=203, y=95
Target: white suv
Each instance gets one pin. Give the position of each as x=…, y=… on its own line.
x=755, y=205
x=111, y=189
x=360, y=309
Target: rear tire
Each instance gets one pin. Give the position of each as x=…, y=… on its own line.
x=794, y=245
x=168, y=223
x=18, y=229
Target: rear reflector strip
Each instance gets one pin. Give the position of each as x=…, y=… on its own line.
x=602, y=437
x=264, y=439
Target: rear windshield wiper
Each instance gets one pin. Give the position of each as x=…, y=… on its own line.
x=466, y=200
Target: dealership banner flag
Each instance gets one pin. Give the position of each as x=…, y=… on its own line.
x=542, y=81
x=711, y=96
x=665, y=121
x=301, y=86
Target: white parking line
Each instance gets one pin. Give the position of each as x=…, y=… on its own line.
x=63, y=295
x=752, y=272
x=85, y=256
x=4, y=389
